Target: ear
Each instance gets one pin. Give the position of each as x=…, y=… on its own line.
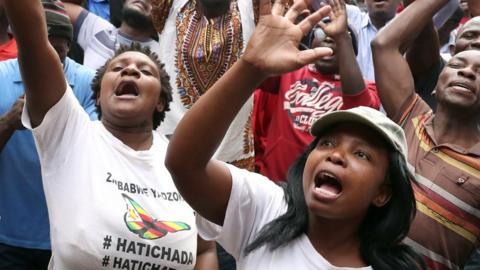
x=97, y=100
x=451, y=48
x=383, y=196
x=160, y=105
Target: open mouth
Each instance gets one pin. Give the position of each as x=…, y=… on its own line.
x=328, y=185
x=128, y=88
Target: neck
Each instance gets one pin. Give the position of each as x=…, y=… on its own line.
x=138, y=138
x=461, y=129
x=378, y=23
x=136, y=34
x=213, y=12
x=337, y=241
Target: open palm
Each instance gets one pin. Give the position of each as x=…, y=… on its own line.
x=338, y=17
x=273, y=47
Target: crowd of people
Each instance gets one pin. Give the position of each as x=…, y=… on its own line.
x=240, y=134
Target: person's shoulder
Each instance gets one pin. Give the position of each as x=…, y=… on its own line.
x=78, y=68
x=90, y=19
x=10, y=71
x=10, y=64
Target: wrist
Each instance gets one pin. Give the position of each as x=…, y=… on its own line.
x=6, y=123
x=342, y=36
x=253, y=68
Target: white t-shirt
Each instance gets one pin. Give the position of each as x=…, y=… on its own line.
x=110, y=207
x=255, y=201
x=100, y=39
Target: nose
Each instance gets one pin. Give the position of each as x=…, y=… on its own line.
x=336, y=157
x=130, y=70
x=467, y=72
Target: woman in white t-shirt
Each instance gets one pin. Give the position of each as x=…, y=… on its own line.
x=111, y=202
x=348, y=202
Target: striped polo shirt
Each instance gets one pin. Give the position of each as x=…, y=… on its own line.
x=446, y=228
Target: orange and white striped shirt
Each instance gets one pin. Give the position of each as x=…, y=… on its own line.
x=446, y=229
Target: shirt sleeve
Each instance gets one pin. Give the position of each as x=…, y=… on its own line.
x=367, y=97
x=354, y=15
x=445, y=13
x=87, y=25
x=61, y=129
x=416, y=107
x=254, y=201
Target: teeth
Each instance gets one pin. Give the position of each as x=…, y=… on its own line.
x=326, y=192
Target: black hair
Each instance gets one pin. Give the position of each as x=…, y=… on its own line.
x=381, y=231
x=166, y=88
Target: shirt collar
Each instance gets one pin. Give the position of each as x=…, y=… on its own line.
x=428, y=124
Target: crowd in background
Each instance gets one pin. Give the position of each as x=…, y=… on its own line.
x=106, y=136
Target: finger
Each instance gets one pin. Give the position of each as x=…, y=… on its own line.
x=322, y=25
x=334, y=5
x=265, y=7
x=297, y=8
x=308, y=23
x=279, y=7
x=312, y=55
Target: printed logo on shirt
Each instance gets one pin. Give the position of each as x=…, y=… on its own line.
x=142, y=223
x=307, y=100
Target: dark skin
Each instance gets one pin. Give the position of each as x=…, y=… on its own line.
x=344, y=61
x=424, y=51
x=11, y=121
x=272, y=50
x=381, y=13
x=213, y=8
x=456, y=119
x=4, y=36
x=358, y=156
x=74, y=9
x=45, y=84
x=468, y=36
x=473, y=8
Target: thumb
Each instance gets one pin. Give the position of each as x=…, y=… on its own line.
x=310, y=56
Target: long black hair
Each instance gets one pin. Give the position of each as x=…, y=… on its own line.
x=166, y=88
x=381, y=231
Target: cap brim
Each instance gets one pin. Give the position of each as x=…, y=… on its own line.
x=336, y=117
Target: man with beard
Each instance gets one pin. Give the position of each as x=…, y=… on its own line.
x=99, y=38
x=8, y=46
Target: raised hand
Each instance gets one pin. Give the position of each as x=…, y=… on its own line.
x=338, y=17
x=273, y=47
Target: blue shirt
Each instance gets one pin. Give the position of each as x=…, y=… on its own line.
x=100, y=8
x=23, y=210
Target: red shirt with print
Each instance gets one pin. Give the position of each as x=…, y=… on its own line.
x=285, y=108
x=8, y=50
